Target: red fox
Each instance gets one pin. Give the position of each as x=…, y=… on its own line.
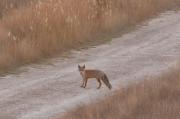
x=97, y=74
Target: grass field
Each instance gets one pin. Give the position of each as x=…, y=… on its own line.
x=33, y=31
x=9, y=5
x=155, y=98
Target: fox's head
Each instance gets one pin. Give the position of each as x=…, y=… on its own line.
x=81, y=68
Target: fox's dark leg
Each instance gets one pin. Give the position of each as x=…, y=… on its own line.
x=85, y=83
x=99, y=83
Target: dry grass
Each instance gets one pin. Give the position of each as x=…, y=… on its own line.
x=157, y=98
x=9, y=5
x=49, y=27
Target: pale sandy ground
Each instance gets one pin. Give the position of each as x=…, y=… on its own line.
x=43, y=91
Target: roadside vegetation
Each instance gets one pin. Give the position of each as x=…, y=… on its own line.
x=32, y=31
x=9, y=5
x=155, y=98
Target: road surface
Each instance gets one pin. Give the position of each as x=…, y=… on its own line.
x=46, y=90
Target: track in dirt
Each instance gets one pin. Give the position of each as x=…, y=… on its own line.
x=44, y=91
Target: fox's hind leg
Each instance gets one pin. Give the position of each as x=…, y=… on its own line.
x=99, y=83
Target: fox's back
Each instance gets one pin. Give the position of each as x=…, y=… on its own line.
x=93, y=73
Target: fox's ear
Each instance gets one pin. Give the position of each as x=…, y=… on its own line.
x=84, y=66
x=78, y=66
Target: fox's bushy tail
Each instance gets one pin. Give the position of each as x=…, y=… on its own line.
x=106, y=82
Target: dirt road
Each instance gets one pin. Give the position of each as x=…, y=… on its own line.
x=43, y=91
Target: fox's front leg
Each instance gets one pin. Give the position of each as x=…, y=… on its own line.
x=85, y=83
x=82, y=83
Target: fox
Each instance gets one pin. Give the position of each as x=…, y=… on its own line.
x=93, y=74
